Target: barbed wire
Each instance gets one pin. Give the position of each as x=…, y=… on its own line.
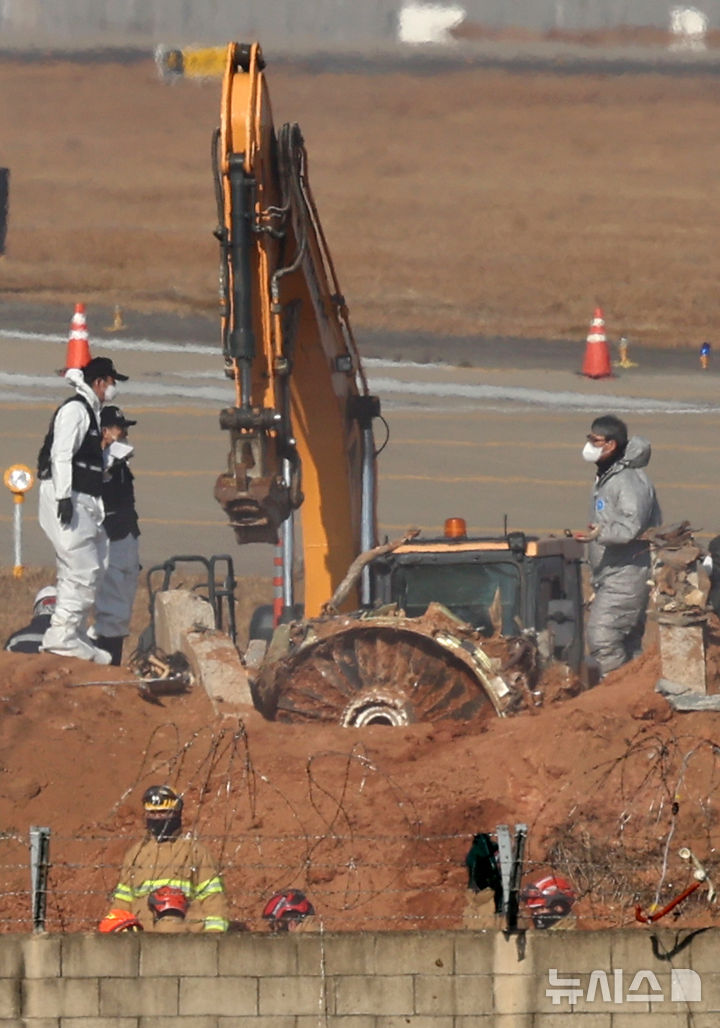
x=658, y=793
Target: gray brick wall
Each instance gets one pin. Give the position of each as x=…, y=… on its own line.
x=384, y=980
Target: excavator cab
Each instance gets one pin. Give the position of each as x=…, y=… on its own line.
x=499, y=586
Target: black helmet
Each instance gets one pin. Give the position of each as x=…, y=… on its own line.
x=163, y=811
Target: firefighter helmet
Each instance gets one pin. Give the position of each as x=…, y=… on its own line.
x=45, y=600
x=168, y=901
x=285, y=907
x=163, y=811
x=120, y=921
x=548, y=899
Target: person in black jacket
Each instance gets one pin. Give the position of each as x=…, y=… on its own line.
x=115, y=597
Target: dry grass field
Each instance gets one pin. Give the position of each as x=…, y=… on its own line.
x=467, y=201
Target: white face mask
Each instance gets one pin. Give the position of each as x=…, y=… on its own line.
x=120, y=450
x=110, y=392
x=591, y=453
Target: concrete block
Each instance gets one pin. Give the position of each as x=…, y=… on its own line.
x=142, y=996
x=41, y=956
x=179, y=955
x=415, y=953
x=351, y=954
x=216, y=664
x=11, y=962
x=178, y=611
x=571, y=951
x=484, y=1020
x=474, y=952
x=201, y=1021
x=513, y=1021
x=37, y=1022
x=311, y=953
x=513, y=954
x=632, y=949
x=330, y=1021
x=603, y=1020
x=416, y=1021
x=257, y=955
x=222, y=996
x=293, y=995
x=513, y=993
x=701, y=952
x=94, y=1022
x=649, y=1019
x=710, y=985
x=374, y=995
x=460, y=994
x=97, y=956
x=60, y=997
x=10, y=997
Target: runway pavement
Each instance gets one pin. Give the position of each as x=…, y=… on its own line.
x=501, y=438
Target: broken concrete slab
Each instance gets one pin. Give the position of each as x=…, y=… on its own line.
x=178, y=611
x=216, y=665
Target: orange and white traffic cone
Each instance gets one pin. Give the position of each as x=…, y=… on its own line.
x=597, y=353
x=78, y=347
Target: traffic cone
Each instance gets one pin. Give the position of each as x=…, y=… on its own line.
x=597, y=354
x=78, y=348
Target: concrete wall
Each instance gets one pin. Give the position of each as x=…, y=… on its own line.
x=444, y=980
x=285, y=24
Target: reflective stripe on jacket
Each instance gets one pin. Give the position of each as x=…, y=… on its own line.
x=183, y=863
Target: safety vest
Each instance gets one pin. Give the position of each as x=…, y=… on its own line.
x=118, y=495
x=87, y=462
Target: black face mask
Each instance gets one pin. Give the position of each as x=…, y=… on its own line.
x=164, y=827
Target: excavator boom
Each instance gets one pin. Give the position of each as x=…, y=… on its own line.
x=301, y=425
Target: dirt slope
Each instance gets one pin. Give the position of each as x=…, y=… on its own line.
x=373, y=823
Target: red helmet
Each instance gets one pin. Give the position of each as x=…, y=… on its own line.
x=548, y=899
x=120, y=921
x=284, y=907
x=168, y=901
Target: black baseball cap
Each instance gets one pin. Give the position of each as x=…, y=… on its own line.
x=101, y=367
x=112, y=415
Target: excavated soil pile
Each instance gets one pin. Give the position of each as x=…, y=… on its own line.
x=372, y=823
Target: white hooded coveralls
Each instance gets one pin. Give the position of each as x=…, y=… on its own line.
x=80, y=547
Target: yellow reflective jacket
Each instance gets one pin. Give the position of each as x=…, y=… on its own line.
x=181, y=862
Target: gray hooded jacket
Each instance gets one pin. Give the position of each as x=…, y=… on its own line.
x=624, y=506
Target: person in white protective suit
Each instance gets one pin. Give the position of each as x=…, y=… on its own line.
x=623, y=507
x=71, y=513
x=116, y=593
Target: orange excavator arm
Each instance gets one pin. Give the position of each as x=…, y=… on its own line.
x=301, y=426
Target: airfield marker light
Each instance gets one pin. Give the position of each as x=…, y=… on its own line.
x=19, y=479
x=705, y=356
x=455, y=528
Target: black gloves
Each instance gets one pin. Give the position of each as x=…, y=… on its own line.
x=65, y=511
